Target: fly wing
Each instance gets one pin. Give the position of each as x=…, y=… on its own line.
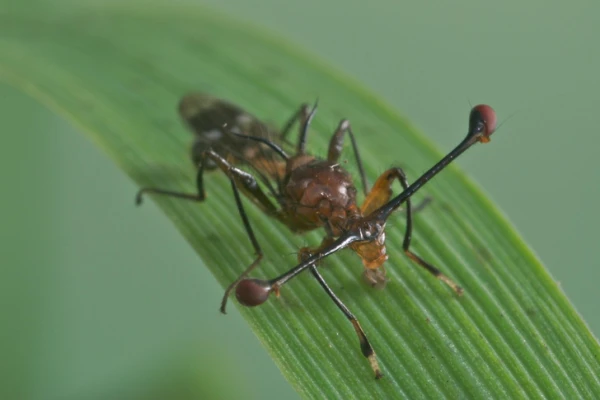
x=212, y=121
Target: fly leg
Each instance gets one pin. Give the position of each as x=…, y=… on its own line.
x=300, y=115
x=336, y=145
x=365, y=346
x=380, y=195
x=335, y=150
x=240, y=181
x=305, y=115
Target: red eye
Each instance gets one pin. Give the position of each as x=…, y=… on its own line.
x=486, y=116
x=252, y=292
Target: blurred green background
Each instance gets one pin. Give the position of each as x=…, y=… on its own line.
x=111, y=303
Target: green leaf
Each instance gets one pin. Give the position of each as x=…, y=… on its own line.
x=118, y=72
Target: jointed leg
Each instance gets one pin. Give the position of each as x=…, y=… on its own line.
x=306, y=252
x=408, y=236
x=257, y=249
x=365, y=346
x=336, y=145
x=300, y=115
x=305, y=116
x=304, y=125
x=422, y=205
x=245, y=182
x=239, y=179
x=335, y=150
x=380, y=195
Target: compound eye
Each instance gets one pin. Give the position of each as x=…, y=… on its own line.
x=252, y=292
x=482, y=121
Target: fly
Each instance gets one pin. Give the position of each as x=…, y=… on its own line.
x=308, y=192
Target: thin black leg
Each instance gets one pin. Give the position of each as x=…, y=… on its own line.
x=301, y=114
x=304, y=125
x=257, y=249
x=245, y=182
x=240, y=180
x=399, y=173
x=365, y=346
x=336, y=145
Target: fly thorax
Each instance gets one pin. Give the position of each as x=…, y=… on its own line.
x=320, y=192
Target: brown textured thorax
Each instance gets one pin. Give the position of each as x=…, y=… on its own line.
x=318, y=193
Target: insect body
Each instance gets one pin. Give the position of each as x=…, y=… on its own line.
x=309, y=193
